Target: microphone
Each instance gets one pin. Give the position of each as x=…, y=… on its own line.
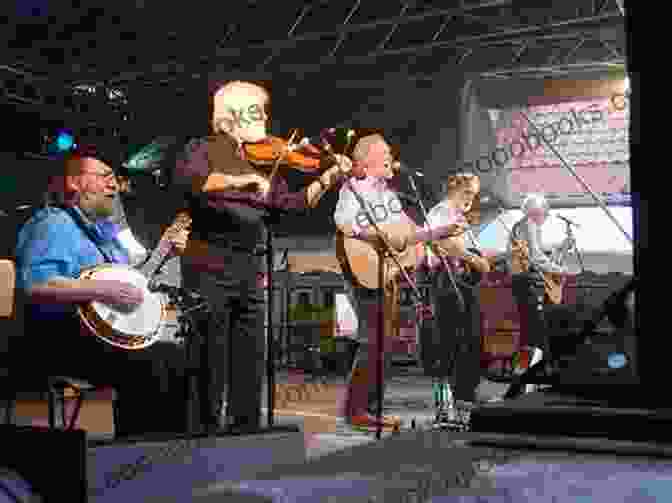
x=400, y=167
x=565, y=219
x=313, y=141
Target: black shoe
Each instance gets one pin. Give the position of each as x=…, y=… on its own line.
x=243, y=425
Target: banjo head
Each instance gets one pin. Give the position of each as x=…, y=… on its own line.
x=126, y=328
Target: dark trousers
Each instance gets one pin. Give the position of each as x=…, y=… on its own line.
x=450, y=344
x=151, y=383
x=528, y=292
x=363, y=379
x=234, y=350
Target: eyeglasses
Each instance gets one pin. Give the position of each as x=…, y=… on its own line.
x=107, y=176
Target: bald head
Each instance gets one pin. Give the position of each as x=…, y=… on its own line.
x=239, y=109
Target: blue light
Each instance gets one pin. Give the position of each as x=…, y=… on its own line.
x=64, y=141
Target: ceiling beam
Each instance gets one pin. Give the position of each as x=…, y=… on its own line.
x=568, y=68
x=22, y=73
x=342, y=36
x=306, y=8
x=341, y=29
x=517, y=36
x=467, y=45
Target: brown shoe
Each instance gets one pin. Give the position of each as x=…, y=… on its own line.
x=368, y=421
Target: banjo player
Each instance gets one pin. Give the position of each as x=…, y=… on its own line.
x=54, y=246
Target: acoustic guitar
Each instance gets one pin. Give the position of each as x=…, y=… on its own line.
x=474, y=263
x=360, y=260
x=553, y=282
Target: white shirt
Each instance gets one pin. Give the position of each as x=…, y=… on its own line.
x=441, y=215
x=530, y=231
x=136, y=251
x=384, y=204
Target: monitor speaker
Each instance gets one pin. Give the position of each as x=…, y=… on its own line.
x=605, y=357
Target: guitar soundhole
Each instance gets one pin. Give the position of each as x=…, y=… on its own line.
x=111, y=318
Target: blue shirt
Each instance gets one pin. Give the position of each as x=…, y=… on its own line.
x=52, y=244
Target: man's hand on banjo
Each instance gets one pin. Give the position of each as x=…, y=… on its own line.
x=118, y=292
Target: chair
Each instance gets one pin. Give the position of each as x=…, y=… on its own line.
x=57, y=388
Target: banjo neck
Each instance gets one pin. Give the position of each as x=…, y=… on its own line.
x=159, y=254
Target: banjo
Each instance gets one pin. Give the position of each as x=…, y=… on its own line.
x=138, y=327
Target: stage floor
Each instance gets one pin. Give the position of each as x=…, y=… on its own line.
x=408, y=395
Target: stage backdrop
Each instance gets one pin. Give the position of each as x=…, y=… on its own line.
x=586, y=122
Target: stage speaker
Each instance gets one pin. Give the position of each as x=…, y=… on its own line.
x=605, y=356
x=601, y=362
x=51, y=462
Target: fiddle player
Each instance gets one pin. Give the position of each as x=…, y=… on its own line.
x=373, y=164
x=451, y=343
x=73, y=232
x=528, y=285
x=229, y=200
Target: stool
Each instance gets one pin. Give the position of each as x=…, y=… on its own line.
x=57, y=389
x=14, y=378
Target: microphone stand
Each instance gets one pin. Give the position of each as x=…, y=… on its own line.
x=570, y=235
x=271, y=218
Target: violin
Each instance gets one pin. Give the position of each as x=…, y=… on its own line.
x=274, y=151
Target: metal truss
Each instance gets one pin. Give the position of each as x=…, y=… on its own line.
x=88, y=103
x=341, y=32
x=543, y=71
x=518, y=40
x=573, y=33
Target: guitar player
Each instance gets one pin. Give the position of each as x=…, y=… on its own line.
x=372, y=168
x=451, y=343
x=73, y=233
x=528, y=285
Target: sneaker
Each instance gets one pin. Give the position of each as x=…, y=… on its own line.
x=452, y=419
x=524, y=359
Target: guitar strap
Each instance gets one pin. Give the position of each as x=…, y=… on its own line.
x=79, y=221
